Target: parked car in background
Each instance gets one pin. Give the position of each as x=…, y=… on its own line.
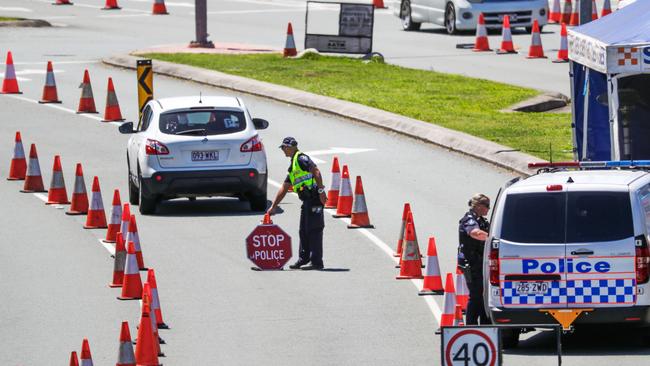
x=462, y=15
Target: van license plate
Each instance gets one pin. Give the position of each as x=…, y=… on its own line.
x=205, y=155
x=531, y=288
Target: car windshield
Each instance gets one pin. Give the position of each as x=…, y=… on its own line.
x=576, y=217
x=200, y=123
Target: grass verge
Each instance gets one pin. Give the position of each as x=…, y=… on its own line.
x=9, y=19
x=456, y=102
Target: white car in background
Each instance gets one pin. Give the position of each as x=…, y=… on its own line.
x=462, y=15
x=195, y=146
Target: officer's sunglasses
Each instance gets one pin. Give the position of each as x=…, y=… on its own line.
x=487, y=205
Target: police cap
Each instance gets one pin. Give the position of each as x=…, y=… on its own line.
x=289, y=142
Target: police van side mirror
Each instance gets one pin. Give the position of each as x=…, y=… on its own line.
x=126, y=128
x=260, y=124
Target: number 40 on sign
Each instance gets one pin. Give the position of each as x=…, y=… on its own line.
x=465, y=346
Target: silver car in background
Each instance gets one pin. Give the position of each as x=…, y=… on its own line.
x=462, y=15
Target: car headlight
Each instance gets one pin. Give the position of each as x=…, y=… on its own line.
x=467, y=15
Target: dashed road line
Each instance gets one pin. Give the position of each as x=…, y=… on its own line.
x=431, y=303
x=61, y=108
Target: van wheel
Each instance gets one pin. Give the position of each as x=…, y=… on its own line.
x=133, y=192
x=147, y=202
x=258, y=202
x=405, y=14
x=644, y=336
x=510, y=337
x=450, y=19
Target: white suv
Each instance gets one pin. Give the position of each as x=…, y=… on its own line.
x=576, y=240
x=196, y=146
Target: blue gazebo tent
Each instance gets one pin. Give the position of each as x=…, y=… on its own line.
x=610, y=85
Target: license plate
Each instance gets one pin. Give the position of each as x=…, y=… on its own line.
x=513, y=17
x=205, y=155
x=531, y=288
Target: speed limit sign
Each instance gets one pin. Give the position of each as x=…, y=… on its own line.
x=465, y=346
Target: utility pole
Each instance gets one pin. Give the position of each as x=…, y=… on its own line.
x=201, y=20
x=585, y=11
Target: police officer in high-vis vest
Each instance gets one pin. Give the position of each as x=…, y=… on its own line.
x=307, y=182
x=473, y=229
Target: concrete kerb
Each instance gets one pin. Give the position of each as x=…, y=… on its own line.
x=36, y=23
x=460, y=142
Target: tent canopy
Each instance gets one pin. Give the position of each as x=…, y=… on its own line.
x=618, y=42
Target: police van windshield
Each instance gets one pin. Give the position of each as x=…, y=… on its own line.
x=199, y=123
x=576, y=217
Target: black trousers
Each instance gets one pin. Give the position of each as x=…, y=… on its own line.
x=475, y=307
x=312, y=223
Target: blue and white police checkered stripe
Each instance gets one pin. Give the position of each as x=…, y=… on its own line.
x=612, y=291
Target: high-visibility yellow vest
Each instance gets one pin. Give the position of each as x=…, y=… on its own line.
x=300, y=179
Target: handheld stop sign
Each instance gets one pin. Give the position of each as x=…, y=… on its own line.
x=268, y=246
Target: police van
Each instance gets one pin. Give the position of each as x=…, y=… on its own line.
x=571, y=247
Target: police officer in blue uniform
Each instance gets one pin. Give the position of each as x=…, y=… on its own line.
x=473, y=230
x=307, y=182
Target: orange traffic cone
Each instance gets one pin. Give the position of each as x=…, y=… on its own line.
x=86, y=357
x=62, y=2
x=607, y=8
x=411, y=264
x=18, y=166
x=159, y=7
x=96, y=218
x=146, y=298
x=333, y=193
x=126, y=217
x=111, y=5
x=344, y=204
x=134, y=238
x=359, y=218
x=536, y=50
x=155, y=300
x=563, y=52
x=482, y=43
x=10, y=84
x=432, y=280
x=49, y=90
x=119, y=262
x=267, y=219
x=74, y=361
x=290, y=45
x=114, y=223
x=131, y=284
x=462, y=291
x=566, y=12
x=79, y=204
x=112, y=112
x=447, y=318
x=87, y=101
x=33, y=179
x=594, y=10
x=575, y=14
x=555, y=16
x=506, y=43
x=458, y=317
x=402, y=230
x=57, y=193
x=145, y=349
x=378, y=4
x=125, y=355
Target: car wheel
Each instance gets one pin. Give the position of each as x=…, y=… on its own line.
x=405, y=14
x=510, y=337
x=133, y=192
x=258, y=201
x=147, y=202
x=450, y=19
x=192, y=199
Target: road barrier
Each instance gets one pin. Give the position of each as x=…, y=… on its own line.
x=18, y=166
x=33, y=179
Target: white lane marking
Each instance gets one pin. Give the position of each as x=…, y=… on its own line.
x=124, y=15
x=81, y=5
x=109, y=247
x=24, y=10
x=178, y=5
x=61, y=108
x=57, y=62
x=225, y=12
x=41, y=196
x=334, y=151
x=433, y=306
x=289, y=4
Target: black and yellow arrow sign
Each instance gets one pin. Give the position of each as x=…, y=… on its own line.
x=145, y=84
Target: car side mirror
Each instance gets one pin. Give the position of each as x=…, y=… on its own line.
x=260, y=124
x=126, y=128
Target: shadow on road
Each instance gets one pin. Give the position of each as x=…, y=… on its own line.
x=182, y=207
x=587, y=341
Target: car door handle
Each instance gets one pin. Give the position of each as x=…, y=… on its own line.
x=582, y=252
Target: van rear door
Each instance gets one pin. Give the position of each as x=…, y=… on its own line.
x=531, y=250
x=600, y=261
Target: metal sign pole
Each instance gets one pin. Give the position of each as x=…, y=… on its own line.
x=585, y=11
x=201, y=21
